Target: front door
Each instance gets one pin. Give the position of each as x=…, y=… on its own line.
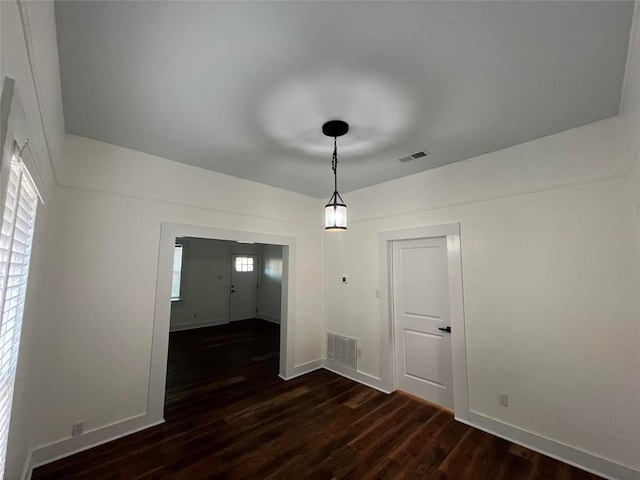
x=243, y=301
x=421, y=319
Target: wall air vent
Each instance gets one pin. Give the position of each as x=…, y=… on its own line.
x=342, y=350
x=414, y=156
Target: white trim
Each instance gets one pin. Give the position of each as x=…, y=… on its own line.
x=201, y=324
x=554, y=449
x=456, y=306
x=28, y=45
x=162, y=314
x=634, y=164
x=69, y=446
x=356, y=376
x=560, y=451
x=152, y=199
x=488, y=198
x=458, y=332
x=17, y=133
x=538, y=443
x=287, y=309
x=27, y=470
x=303, y=369
x=635, y=20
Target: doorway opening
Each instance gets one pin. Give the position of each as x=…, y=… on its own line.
x=195, y=322
x=225, y=316
x=215, y=282
x=422, y=332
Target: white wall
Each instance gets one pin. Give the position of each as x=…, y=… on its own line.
x=104, y=261
x=549, y=256
x=270, y=283
x=630, y=103
x=630, y=107
x=29, y=56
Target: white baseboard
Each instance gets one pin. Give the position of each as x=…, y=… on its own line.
x=191, y=325
x=565, y=453
x=303, y=369
x=63, y=448
x=356, y=376
x=269, y=318
x=26, y=468
x=552, y=448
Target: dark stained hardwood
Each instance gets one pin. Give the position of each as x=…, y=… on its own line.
x=229, y=416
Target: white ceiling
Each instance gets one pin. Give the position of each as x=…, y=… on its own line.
x=243, y=88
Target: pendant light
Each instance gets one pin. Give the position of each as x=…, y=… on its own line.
x=335, y=212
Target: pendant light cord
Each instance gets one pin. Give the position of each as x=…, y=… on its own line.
x=334, y=164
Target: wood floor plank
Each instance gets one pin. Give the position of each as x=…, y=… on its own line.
x=229, y=416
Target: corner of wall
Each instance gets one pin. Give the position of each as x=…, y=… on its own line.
x=560, y=451
x=51, y=452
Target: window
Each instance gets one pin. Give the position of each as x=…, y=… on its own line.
x=244, y=264
x=15, y=249
x=176, y=283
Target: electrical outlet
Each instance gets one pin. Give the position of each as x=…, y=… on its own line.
x=377, y=293
x=503, y=399
x=77, y=429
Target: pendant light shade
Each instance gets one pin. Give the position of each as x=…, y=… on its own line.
x=335, y=212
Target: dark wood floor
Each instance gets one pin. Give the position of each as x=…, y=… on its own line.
x=229, y=416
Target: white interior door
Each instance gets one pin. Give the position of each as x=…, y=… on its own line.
x=421, y=318
x=243, y=301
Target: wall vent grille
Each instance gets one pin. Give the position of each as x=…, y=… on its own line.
x=414, y=156
x=342, y=350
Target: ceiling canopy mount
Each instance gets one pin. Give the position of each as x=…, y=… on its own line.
x=335, y=128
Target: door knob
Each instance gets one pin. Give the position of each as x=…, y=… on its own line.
x=445, y=329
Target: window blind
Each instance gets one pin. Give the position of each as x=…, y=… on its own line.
x=16, y=234
x=177, y=272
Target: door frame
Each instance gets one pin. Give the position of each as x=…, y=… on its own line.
x=451, y=232
x=162, y=314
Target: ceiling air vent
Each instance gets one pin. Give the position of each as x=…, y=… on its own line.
x=414, y=156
